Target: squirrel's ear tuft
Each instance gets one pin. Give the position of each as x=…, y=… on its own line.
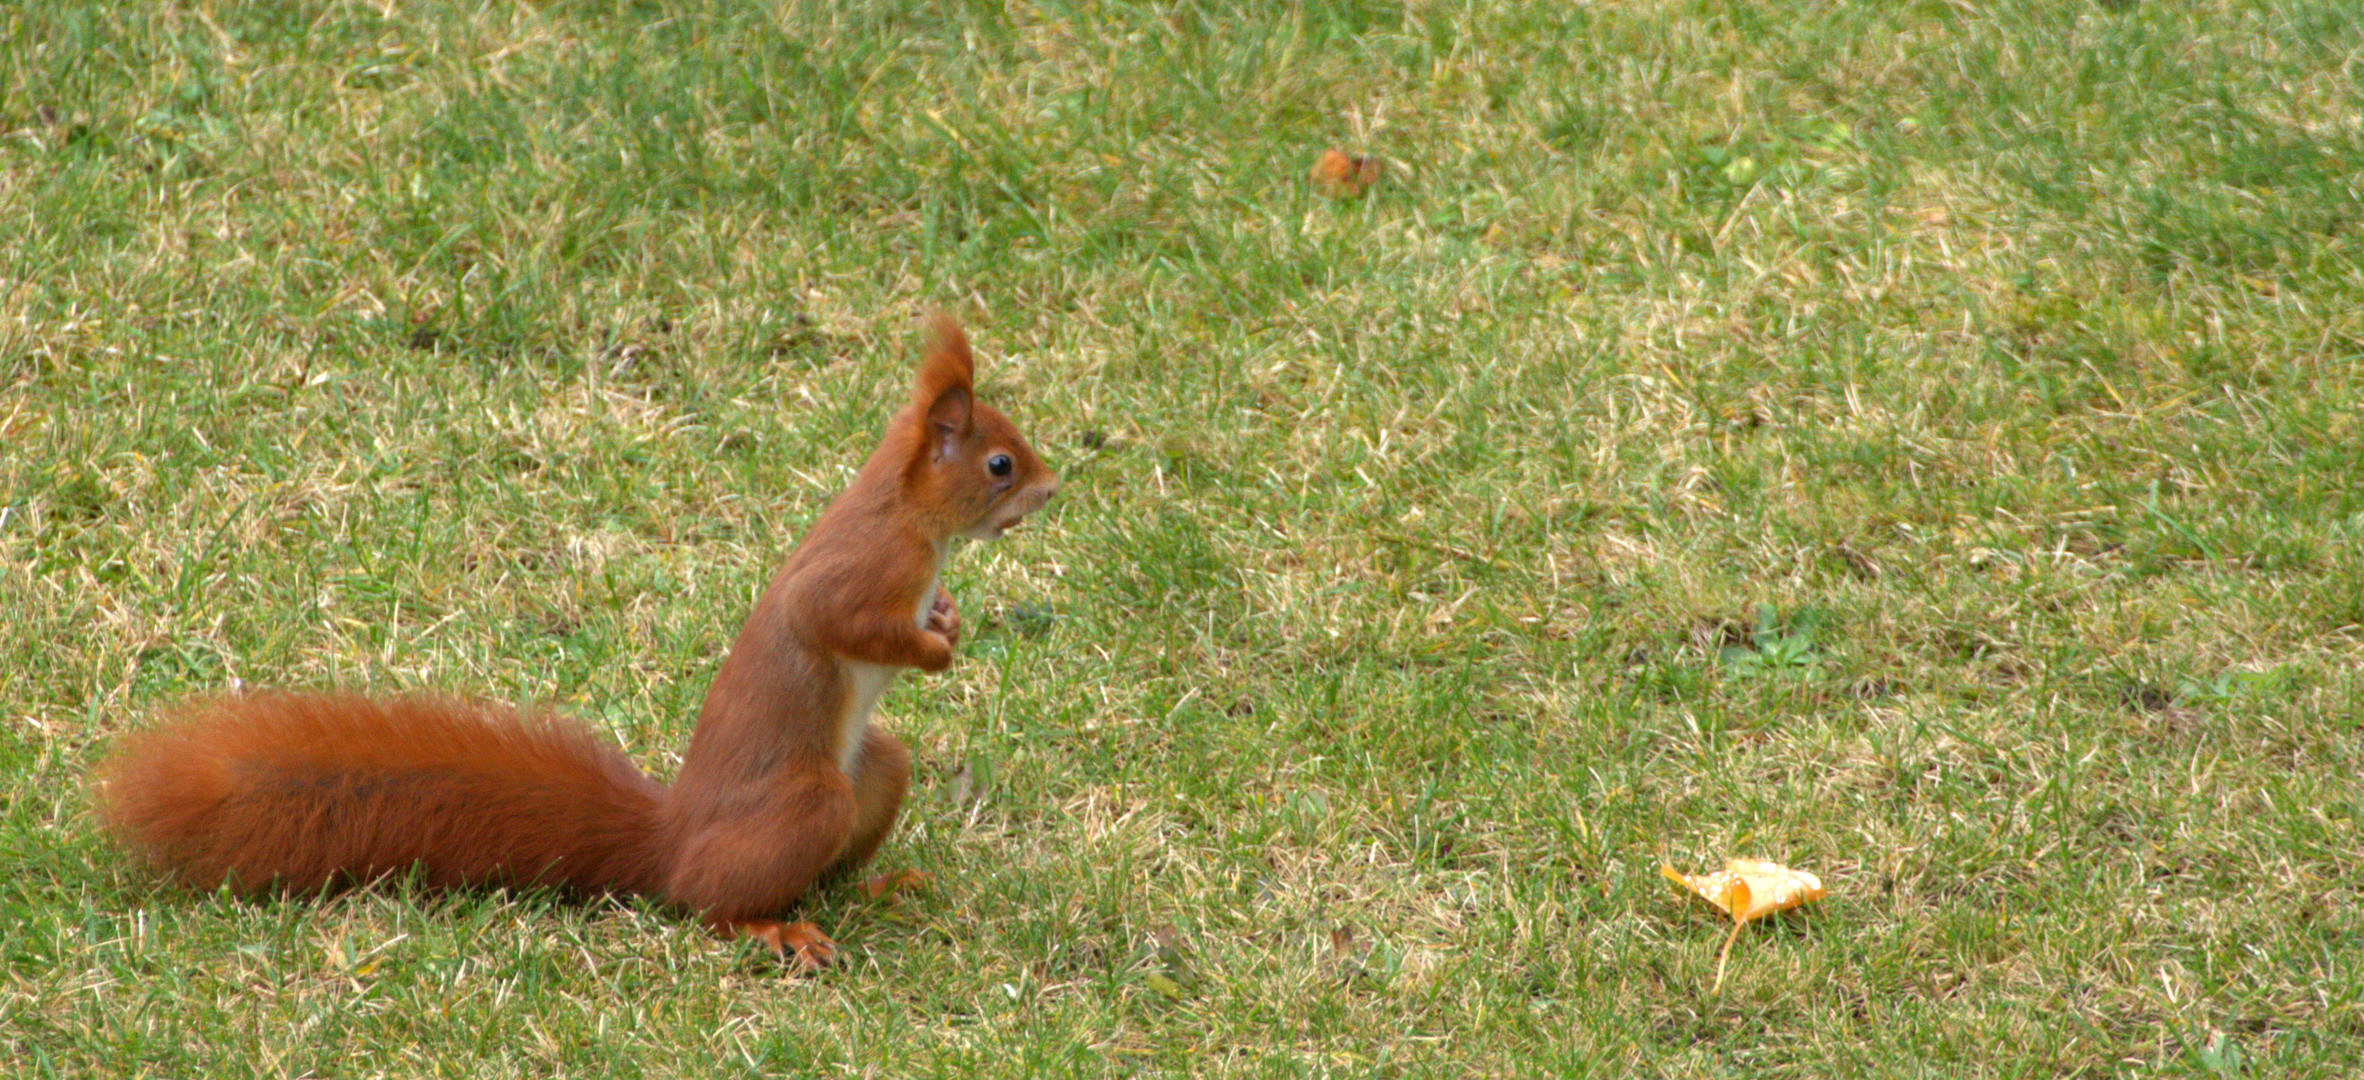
x=944, y=395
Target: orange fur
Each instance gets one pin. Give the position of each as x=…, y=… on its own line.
x=305, y=791
x=785, y=779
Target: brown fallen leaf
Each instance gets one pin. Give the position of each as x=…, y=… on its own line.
x=1340, y=175
x=1173, y=977
x=1747, y=889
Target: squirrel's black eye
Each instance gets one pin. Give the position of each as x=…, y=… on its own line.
x=998, y=465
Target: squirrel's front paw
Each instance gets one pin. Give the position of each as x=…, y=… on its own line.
x=944, y=618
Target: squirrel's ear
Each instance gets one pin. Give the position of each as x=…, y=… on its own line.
x=944, y=395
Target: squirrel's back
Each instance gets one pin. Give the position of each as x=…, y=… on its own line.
x=298, y=792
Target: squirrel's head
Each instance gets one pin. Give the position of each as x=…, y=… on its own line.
x=969, y=466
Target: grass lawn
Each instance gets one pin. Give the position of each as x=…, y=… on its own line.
x=1919, y=442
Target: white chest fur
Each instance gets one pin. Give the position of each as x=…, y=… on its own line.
x=866, y=683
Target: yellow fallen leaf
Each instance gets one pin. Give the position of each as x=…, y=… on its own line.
x=1747, y=889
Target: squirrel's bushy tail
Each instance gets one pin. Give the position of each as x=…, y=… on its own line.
x=298, y=792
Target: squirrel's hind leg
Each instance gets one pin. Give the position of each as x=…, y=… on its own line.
x=738, y=872
x=881, y=776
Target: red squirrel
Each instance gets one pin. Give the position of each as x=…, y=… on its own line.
x=785, y=777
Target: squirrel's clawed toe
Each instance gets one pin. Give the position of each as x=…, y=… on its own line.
x=893, y=882
x=944, y=618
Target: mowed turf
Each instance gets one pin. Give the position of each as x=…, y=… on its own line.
x=1917, y=442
